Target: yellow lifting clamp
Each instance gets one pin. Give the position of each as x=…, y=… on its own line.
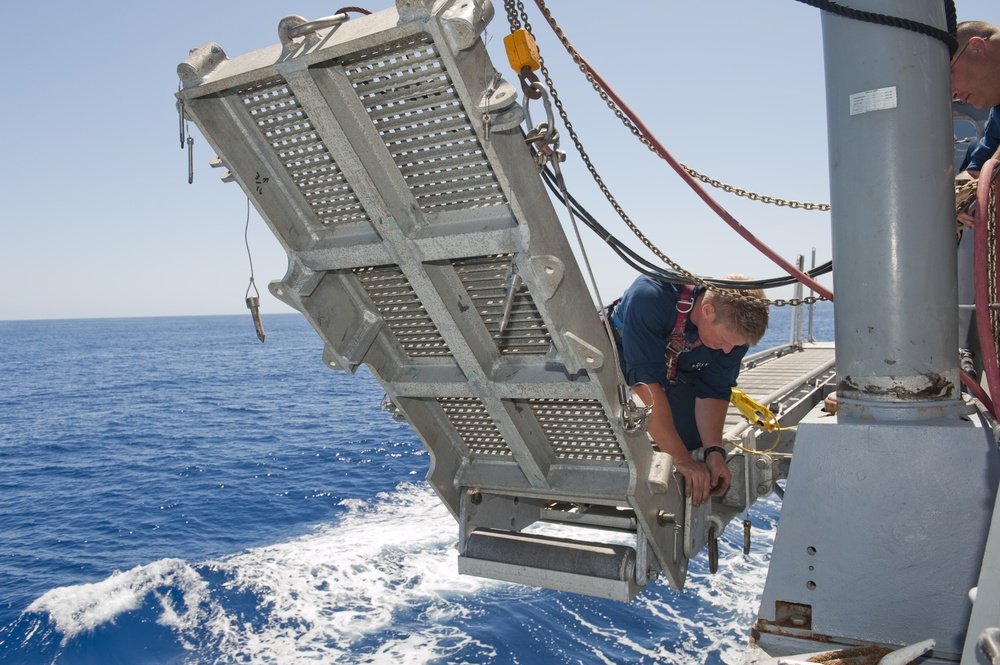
x=522, y=51
x=759, y=415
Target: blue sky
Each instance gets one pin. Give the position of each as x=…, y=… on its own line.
x=97, y=218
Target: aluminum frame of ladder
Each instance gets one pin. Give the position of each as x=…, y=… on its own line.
x=387, y=156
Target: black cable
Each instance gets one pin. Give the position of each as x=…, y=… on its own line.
x=658, y=272
x=946, y=36
x=645, y=267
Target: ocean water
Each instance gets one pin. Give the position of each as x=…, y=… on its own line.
x=173, y=491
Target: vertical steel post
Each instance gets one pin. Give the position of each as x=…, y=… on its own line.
x=800, y=263
x=811, y=339
x=891, y=190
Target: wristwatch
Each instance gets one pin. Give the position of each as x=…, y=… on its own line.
x=715, y=449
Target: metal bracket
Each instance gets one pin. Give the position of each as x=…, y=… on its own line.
x=463, y=23
x=200, y=62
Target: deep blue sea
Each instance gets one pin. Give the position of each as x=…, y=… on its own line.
x=173, y=491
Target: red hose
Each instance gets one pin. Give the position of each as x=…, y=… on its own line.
x=977, y=392
x=984, y=315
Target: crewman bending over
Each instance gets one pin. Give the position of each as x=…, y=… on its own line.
x=681, y=348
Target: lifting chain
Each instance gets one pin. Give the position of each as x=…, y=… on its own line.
x=518, y=18
x=753, y=196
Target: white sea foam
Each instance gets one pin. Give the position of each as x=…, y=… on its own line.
x=83, y=607
x=380, y=586
x=346, y=583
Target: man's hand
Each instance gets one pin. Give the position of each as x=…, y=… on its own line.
x=719, y=473
x=697, y=479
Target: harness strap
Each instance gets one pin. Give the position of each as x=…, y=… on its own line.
x=677, y=343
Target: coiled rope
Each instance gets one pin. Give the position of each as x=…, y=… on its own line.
x=946, y=36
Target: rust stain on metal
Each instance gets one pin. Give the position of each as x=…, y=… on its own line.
x=773, y=628
x=793, y=615
x=937, y=388
x=866, y=655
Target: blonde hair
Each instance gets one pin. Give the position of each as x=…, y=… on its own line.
x=745, y=316
x=966, y=30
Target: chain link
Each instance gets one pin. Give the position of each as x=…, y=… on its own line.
x=515, y=7
x=512, y=19
x=753, y=196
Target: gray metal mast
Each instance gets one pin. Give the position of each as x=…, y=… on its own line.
x=887, y=505
x=891, y=184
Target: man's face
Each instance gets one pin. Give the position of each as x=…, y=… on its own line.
x=716, y=336
x=972, y=80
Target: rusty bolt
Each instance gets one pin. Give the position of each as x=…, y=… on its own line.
x=761, y=463
x=664, y=518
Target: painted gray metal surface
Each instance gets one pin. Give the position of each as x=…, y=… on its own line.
x=891, y=192
x=881, y=534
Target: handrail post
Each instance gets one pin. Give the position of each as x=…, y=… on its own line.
x=812, y=305
x=797, y=334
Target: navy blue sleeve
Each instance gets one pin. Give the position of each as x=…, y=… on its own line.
x=981, y=152
x=647, y=315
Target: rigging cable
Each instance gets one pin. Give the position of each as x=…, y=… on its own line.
x=356, y=10
x=545, y=138
x=525, y=58
x=185, y=131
